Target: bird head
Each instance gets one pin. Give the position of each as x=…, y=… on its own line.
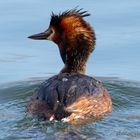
x=73, y=35
x=66, y=27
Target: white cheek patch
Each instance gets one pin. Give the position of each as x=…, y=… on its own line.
x=51, y=35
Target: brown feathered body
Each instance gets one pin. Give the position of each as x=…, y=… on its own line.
x=71, y=95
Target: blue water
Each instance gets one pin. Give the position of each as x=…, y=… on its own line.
x=24, y=63
x=116, y=24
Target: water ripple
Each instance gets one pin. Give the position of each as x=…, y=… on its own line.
x=122, y=123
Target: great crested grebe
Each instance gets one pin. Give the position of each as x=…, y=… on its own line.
x=71, y=95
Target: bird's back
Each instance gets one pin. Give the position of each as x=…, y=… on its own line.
x=74, y=97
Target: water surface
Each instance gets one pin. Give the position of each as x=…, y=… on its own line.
x=122, y=123
x=24, y=64
x=116, y=24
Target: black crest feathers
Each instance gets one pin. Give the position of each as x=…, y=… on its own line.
x=55, y=19
x=75, y=12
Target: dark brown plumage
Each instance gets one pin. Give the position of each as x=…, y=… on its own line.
x=71, y=95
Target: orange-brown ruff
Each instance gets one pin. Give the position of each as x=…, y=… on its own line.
x=71, y=95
